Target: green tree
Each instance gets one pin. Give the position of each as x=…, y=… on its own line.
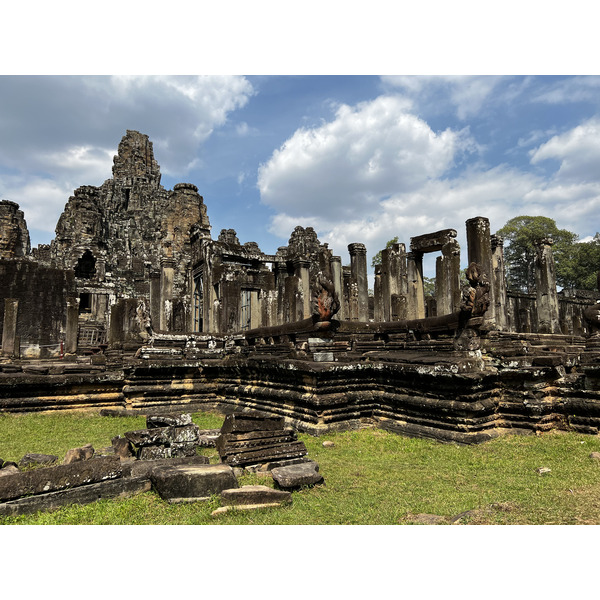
x=376, y=260
x=521, y=234
x=578, y=268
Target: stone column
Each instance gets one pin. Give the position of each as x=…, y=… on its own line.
x=72, y=325
x=447, y=279
x=378, y=313
x=280, y=274
x=301, y=268
x=415, y=308
x=499, y=283
x=155, y=299
x=347, y=296
x=10, y=343
x=167, y=270
x=479, y=247
x=338, y=286
x=545, y=286
x=358, y=267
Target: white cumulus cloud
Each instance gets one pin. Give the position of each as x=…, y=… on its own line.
x=347, y=166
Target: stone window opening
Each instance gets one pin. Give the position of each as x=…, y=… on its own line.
x=86, y=266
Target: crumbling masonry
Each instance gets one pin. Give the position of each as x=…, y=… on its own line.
x=135, y=305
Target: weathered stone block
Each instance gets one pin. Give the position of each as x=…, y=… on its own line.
x=154, y=421
x=163, y=435
x=244, y=423
x=49, y=479
x=296, y=476
x=139, y=468
x=254, y=494
x=77, y=454
x=9, y=469
x=115, y=488
x=122, y=447
x=192, y=482
x=32, y=458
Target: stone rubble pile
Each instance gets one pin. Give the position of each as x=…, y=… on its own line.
x=163, y=457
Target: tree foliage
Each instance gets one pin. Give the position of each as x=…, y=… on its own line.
x=577, y=263
x=376, y=260
x=521, y=234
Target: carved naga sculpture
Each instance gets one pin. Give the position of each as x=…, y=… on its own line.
x=476, y=298
x=326, y=303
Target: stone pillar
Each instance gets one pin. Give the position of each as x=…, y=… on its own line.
x=415, y=305
x=393, y=277
x=479, y=248
x=72, y=325
x=280, y=275
x=358, y=267
x=499, y=283
x=10, y=343
x=447, y=279
x=347, y=297
x=338, y=286
x=301, y=268
x=167, y=270
x=378, y=311
x=545, y=286
x=155, y=301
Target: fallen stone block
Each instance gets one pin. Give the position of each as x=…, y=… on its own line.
x=115, y=488
x=237, y=423
x=224, y=509
x=172, y=451
x=297, y=476
x=32, y=458
x=254, y=494
x=139, y=468
x=163, y=435
x=77, y=454
x=157, y=421
x=122, y=447
x=49, y=479
x=207, y=438
x=9, y=470
x=7, y=463
x=187, y=483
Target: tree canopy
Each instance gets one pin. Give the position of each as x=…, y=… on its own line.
x=376, y=260
x=577, y=263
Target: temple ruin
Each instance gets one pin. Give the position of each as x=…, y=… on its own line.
x=135, y=305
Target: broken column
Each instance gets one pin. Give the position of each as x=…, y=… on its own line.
x=336, y=273
x=358, y=267
x=415, y=298
x=301, y=268
x=545, y=286
x=498, y=282
x=393, y=281
x=479, y=248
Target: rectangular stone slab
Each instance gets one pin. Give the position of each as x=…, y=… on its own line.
x=50, y=479
x=113, y=488
x=192, y=482
x=245, y=423
x=163, y=435
x=293, y=450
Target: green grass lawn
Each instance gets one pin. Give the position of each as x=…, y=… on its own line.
x=372, y=477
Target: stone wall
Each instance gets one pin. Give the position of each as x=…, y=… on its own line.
x=42, y=293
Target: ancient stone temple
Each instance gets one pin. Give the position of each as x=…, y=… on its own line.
x=134, y=305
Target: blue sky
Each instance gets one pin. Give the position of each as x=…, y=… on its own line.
x=359, y=158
